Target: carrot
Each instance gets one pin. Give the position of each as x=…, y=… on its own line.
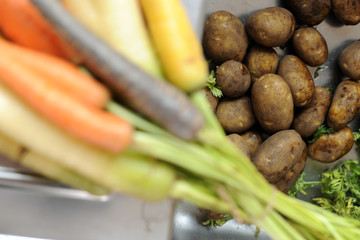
x=179, y=50
x=155, y=99
x=120, y=24
x=59, y=72
x=85, y=122
x=22, y=23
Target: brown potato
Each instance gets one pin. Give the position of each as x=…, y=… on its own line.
x=285, y=183
x=349, y=61
x=313, y=115
x=346, y=11
x=272, y=103
x=309, y=12
x=310, y=46
x=278, y=154
x=330, y=147
x=253, y=140
x=224, y=37
x=235, y=115
x=296, y=74
x=271, y=27
x=233, y=78
x=261, y=60
x=213, y=101
x=345, y=105
x=240, y=143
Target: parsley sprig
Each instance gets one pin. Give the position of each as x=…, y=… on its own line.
x=215, y=90
x=321, y=130
x=340, y=188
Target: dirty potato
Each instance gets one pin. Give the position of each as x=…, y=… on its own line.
x=330, y=147
x=310, y=46
x=253, y=140
x=309, y=118
x=345, y=104
x=349, y=61
x=309, y=12
x=285, y=183
x=233, y=78
x=240, y=143
x=261, y=60
x=213, y=101
x=271, y=27
x=346, y=11
x=224, y=37
x=235, y=115
x=272, y=103
x=296, y=74
x=278, y=154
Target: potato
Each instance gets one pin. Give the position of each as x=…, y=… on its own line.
x=213, y=101
x=309, y=118
x=285, y=183
x=346, y=11
x=271, y=27
x=253, y=140
x=261, y=60
x=309, y=12
x=349, y=61
x=310, y=46
x=272, y=103
x=278, y=154
x=330, y=147
x=240, y=143
x=233, y=78
x=224, y=37
x=345, y=105
x=297, y=75
x=235, y=115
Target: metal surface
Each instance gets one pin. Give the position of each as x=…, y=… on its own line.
x=188, y=220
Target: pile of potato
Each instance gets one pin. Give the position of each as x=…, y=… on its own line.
x=271, y=106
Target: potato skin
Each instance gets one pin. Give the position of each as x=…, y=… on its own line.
x=297, y=75
x=233, y=78
x=261, y=60
x=330, y=147
x=345, y=105
x=240, y=143
x=213, y=101
x=278, y=154
x=349, y=61
x=346, y=11
x=272, y=103
x=224, y=37
x=309, y=12
x=253, y=140
x=235, y=115
x=313, y=115
x=310, y=46
x=285, y=183
x=271, y=27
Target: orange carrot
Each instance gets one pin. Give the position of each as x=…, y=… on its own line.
x=85, y=122
x=61, y=73
x=22, y=23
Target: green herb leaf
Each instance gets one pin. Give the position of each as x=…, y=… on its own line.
x=215, y=90
x=317, y=71
x=356, y=136
x=301, y=185
x=321, y=131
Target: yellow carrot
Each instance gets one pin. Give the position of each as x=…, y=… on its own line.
x=179, y=49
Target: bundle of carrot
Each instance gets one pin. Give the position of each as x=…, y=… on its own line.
x=158, y=162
